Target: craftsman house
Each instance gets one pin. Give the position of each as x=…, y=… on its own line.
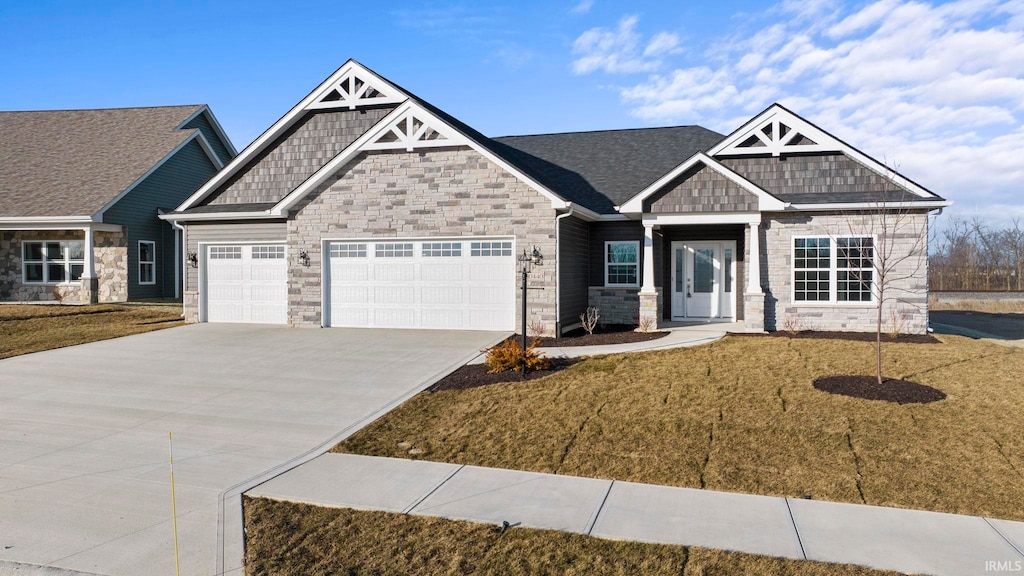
x=80, y=192
x=365, y=206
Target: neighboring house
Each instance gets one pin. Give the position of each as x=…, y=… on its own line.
x=80, y=192
x=366, y=206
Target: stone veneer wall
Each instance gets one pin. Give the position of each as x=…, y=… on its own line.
x=906, y=299
x=616, y=305
x=110, y=260
x=442, y=192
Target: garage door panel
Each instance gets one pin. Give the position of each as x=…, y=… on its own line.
x=436, y=283
x=246, y=284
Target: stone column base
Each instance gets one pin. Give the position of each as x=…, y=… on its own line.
x=90, y=291
x=190, y=305
x=753, y=311
x=650, y=309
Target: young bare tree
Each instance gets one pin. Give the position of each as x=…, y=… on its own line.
x=885, y=250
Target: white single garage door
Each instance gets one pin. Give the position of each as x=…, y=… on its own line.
x=247, y=283
x=445, y=283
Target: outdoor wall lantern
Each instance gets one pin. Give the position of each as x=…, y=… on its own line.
x=193, y=260
x=304, y=257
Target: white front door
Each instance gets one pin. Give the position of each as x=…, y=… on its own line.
x=703, y=280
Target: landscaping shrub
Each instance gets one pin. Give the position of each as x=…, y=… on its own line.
x=509, y=355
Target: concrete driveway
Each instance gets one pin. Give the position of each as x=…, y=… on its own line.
x=84, y=479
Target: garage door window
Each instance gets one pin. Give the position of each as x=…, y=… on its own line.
x=442, y=249
x=267, y=252
x=490, y=249
x=225, y=252
x=394, y=250
x=348, y=250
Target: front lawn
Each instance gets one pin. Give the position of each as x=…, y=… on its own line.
x=288, y=538
x=741, y=415
x=26, y=328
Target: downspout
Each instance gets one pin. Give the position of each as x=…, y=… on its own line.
x=558, y=269
x=179, y=262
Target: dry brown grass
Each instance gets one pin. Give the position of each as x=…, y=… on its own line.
x=34, y=328
x=741, y=415
x=990, y=306
x=288, y=538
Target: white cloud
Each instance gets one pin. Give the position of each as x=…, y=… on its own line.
x=939, y=88
x=583, y=7
x=618, y=51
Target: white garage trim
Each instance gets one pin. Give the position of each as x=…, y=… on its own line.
x=246, y=257
x=470, y=290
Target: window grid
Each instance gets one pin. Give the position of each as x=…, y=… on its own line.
x=268, y=252
x=225, y=252
x=854, y=269
x=348, y=250
x=442, y=249
x=499, y=248
x=821, y=274
x=52, y=262
x=394, y=250
x=812, y=269
x=147, y=262
x=622, y=263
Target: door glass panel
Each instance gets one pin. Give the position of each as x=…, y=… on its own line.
x=679, y=269
x=728, y=270
x=704, y=270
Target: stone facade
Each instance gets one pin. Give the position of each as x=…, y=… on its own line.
x=906, y=300
x=650, y=308
x=110, y=285
x=616, y=305
x=442, y=193
x=190, y=305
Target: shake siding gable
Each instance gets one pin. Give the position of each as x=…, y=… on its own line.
x=450, y=192
x=202, y=124
x=167, y=186
x=811, y=174
x=296, y=155
x=700, y=190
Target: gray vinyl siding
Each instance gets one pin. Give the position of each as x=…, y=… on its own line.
x=296, y=155
x=574, y=269
x=601, y=232
x=168, y=186
x=228, y=232
x=202, y=123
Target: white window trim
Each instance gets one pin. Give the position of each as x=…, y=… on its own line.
x=46, y=262
x=140, y=262
x=833, y=274
x=606, y=263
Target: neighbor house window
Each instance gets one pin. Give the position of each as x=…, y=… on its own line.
x=621, y=263
x=833, y=270
x=52, y=262
x=147, y=262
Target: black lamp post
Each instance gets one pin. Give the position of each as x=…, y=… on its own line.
x=526, y=262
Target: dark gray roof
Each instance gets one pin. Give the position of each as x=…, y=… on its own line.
x=603, y=169
x=73, y=162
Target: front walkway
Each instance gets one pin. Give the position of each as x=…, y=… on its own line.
x=909, y=541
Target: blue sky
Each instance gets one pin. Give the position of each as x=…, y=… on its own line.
x=934, y=88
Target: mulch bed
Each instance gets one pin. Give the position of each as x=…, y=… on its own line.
x=604, y=334
x=854, y=336
x=475, y=375
x=891, y=389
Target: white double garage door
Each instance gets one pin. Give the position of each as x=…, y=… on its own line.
x=442, y=283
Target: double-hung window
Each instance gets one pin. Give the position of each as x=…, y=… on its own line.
x=147, y=262
x=833, y=270
x=621, y=264
x=52, y=262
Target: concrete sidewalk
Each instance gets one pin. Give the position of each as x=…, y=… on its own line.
x=909, y=541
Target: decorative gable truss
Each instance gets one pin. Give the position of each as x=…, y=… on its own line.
x=356, y=87
x=777, y=131
x=414, y=128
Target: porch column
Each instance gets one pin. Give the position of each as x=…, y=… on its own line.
x=90, y=285
x=754, y=270
x=647, y=282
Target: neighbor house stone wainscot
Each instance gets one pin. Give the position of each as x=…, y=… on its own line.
x=111, y=253
x=437, y=193
x=616, y=305
x=906, y=295
x=110, y=284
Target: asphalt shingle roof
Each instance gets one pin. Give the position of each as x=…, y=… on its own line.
x=73, y=162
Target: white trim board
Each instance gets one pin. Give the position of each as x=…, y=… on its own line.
x=778, y=144
x=765, y=201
